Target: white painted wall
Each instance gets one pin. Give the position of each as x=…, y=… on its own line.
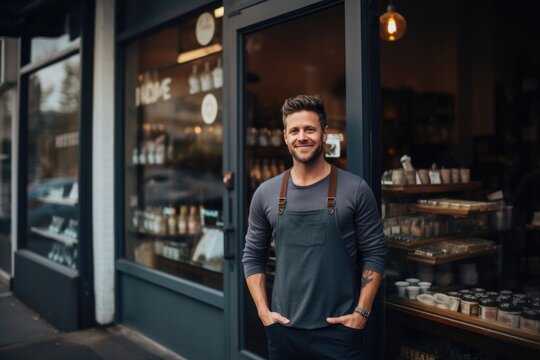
x=103, y=161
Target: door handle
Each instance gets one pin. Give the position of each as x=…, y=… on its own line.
x=228, y=180
x=227, y=253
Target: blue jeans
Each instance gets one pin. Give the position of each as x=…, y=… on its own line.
x=335, y=342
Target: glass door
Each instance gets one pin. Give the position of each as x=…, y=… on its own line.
x=280, y=60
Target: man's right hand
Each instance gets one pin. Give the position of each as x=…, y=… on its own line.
x=270, y=318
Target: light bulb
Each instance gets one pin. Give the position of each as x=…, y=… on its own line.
x=392, y=25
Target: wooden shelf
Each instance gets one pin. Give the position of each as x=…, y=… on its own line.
x=439, y=210
x=470, y=323
x=68, y=241
x=402, y=190
x=436, y=260
x=58, y=201
x=421, y=242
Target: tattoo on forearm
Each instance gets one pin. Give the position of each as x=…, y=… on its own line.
x=367, y=277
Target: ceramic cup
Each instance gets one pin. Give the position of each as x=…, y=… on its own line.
x=413, y=291
x=446, y=176
x=411, y=177
x=413, y=281
x=398, y=177
x=401, y=287
x=454, y=303
x=424, y=286
x=455, y=175
x=423, y=174
x=465, y=175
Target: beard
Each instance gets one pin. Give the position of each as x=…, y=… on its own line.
x=310, y=157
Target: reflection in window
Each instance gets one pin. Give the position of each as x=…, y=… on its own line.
x=54, y=35
x=173, y=150
x=53, y=152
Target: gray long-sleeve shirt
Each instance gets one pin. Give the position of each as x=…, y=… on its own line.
x=357, y=214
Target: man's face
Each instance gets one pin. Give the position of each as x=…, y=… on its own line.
x=304, y=136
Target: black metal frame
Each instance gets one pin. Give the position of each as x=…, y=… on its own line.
x=84, y=47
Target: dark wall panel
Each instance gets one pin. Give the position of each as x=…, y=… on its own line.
x=47, y=288
x=187, y=326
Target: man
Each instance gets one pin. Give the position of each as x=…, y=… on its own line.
x=329, y=247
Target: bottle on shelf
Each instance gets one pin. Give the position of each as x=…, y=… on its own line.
x=194, y=84
x=256, y=174
x=171, y=221
x=281, y=166
x=160, y=141
x=217, y=75
x=274, y=171
x=183, y=220
x=206, y=78
x=194, y=221
x=266, y=173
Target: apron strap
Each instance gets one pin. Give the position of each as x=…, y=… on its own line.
x=332, y=188
x=330, y=199
x=283, y=192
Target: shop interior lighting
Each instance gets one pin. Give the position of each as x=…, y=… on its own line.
x=219, y=12
x=392, y=24
x=198, y=53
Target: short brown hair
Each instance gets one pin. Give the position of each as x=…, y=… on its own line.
x=304, y=103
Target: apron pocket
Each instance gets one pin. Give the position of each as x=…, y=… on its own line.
x=307, y=235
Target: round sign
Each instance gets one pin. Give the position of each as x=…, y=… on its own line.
x=209, y=109
x=204, y=30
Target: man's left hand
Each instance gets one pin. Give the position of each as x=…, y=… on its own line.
x=354, y=320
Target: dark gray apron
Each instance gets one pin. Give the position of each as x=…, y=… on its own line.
x=315, y=277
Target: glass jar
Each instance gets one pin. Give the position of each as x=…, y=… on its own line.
x=509, y=314
x=530, y=321
x=488, y=308
x=417, y=226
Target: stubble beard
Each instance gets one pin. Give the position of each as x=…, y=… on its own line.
x=311, y=158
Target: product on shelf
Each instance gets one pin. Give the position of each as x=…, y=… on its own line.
x=206, y=78
x=509, y=314
x=194, y=82
x=217, y=75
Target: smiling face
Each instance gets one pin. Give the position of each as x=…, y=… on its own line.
x=304, y=137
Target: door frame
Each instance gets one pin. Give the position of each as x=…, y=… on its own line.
x=363, y=124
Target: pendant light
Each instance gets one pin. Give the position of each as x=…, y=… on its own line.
x=392, y=24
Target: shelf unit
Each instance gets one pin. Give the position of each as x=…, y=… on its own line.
x=66, y=240
x=465, y=322
x=431, y=317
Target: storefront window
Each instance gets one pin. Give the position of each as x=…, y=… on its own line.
x=53, y=161
x=7, y=100
x=461, y=184
x=173, y=150
x=278, y=65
